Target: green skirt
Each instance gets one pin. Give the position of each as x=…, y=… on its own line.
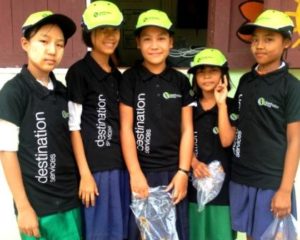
x=213, y=223
x=59, y=226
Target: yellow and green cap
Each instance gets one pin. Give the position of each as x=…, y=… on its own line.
x=155, y=18
x=208, y=57
x=101, y=14
x=41, y=18
x=272, y=20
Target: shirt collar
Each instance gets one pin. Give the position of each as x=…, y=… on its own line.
x=40, y=90
x=272, y=77
x=146, y=75
x=96, y=69
x=199, y=111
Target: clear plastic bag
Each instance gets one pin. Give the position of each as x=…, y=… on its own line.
x=155, y=215
x=282, y=229
x=209, y=187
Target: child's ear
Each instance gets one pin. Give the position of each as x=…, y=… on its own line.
x=287, y=43
x=24, y=43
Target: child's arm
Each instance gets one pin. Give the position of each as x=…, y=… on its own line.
x=281, y=202
x=27, y=218
x=138, y=181
x=226, y=131
x=180, y=180
x=87, y=187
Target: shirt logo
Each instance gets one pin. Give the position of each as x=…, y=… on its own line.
x=65, y=114
x=215, y=130
x=264, y=103
x=168, y=95
x=234, y=116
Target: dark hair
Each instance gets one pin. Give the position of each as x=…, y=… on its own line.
x=30, y=32
x=86, y=38
x=198, y=91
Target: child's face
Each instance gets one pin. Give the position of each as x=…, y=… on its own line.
x=208, y=78
x=267, y=47
x=44, y=49
x=155, y=44
x=105, y=40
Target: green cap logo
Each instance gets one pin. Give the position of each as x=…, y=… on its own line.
x=101, y=14
x=154, y=17
x=208, y=57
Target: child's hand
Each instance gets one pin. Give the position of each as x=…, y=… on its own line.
x=221, y=91
x=179, y=185
x=200, y=169
x=139, y=185
x=87, y=190
x=281, y=203
x=28, y=222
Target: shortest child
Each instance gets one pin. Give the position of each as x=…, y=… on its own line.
x=156, y=119
x=211, y=129
x=267, y=143
x=35, y=141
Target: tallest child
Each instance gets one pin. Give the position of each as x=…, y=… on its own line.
x=267, y=142
x=156, y=119
x=93, y=84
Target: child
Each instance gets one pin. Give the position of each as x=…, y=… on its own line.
x=267, y=141
x=93, y=84
x=156, y=119
x=210, y=81
x=36, y=149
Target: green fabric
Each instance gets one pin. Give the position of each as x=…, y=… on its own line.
x=212, y=223
x=60, y=226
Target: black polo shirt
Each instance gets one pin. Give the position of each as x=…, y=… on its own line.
x=98, y=93
x=45, y=153
x=157, y=100
x=265, y=104
x=208, y=148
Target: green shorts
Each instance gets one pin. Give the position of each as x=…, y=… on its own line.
x=59, y=226
x=212, y=223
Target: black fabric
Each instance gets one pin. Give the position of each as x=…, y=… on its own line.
x=98, y=93
x=266, y=104
x=157, y=101
x=45, y=154
x=208, y=148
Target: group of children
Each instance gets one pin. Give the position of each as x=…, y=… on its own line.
x=108, y=135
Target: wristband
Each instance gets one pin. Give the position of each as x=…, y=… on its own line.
x=184, y=171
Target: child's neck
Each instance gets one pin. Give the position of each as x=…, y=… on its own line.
x=102, y=60
x=155, y=68
x=264, y=69
x=208, y=100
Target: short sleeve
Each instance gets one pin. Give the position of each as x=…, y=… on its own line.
x=127, y=88
x=293, y=101
x=187, y=92
x=76, y=85
x=12, y=103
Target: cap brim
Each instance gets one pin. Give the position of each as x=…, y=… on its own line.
x=102, y=26
x=138, y=31
x=249, y=28
x=193, y=69
x=66, y=24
